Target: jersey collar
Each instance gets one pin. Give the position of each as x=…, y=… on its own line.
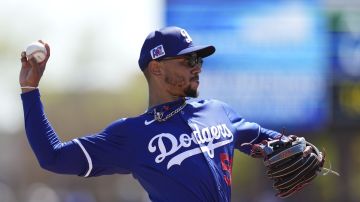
x=169, y=106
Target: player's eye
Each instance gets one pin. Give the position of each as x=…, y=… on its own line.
x=194, y=60
x=191, y=60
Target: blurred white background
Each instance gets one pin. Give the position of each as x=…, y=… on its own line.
x=94, y=45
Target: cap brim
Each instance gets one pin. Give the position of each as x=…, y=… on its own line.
x=202, y=51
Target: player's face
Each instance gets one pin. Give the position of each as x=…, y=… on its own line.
x=182, y=75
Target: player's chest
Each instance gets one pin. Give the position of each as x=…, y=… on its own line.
x=182, y=141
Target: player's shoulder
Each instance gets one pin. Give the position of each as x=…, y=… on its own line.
x=196, y=102
x=214, y=105
x=126, y=124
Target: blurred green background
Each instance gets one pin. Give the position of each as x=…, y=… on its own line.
x=92, y=79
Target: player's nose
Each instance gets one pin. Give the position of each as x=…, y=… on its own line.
x=196, y=69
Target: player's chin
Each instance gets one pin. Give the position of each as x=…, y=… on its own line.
x=192, y=91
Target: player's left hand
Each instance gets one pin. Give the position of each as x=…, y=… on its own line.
x=291, y=162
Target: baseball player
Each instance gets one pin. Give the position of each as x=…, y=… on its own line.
x=180, y=149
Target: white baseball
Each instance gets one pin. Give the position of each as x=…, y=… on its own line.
x=36, y=50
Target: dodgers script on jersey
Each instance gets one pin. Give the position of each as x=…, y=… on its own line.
x=185, y=158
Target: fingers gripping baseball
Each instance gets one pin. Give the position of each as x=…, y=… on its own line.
x=31, y=70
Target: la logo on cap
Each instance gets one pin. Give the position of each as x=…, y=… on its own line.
x=157, y=52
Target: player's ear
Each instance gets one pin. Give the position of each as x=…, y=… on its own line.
x=154, y=68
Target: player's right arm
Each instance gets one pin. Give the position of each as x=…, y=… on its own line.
x=109, y=151
x=86, y=156
x=51, y=153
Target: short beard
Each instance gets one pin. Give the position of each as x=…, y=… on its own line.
x=189, y=92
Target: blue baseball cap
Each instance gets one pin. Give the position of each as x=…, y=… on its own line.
x=169, y=42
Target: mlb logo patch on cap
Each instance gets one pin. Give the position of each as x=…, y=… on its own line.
x=157, y=52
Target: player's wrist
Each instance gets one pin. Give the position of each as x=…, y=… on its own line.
x=25, y=89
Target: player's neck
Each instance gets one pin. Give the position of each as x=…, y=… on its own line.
x=158, y=100
x=160, y=93
x=157, y=97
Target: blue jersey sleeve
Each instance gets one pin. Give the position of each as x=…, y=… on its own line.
x=52, y=154
x=247, y=132
x=109, y=151
x=93, y=155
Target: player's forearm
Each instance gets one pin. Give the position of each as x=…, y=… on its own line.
x=264, y=134
x=253, y=133
x=52, y=154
